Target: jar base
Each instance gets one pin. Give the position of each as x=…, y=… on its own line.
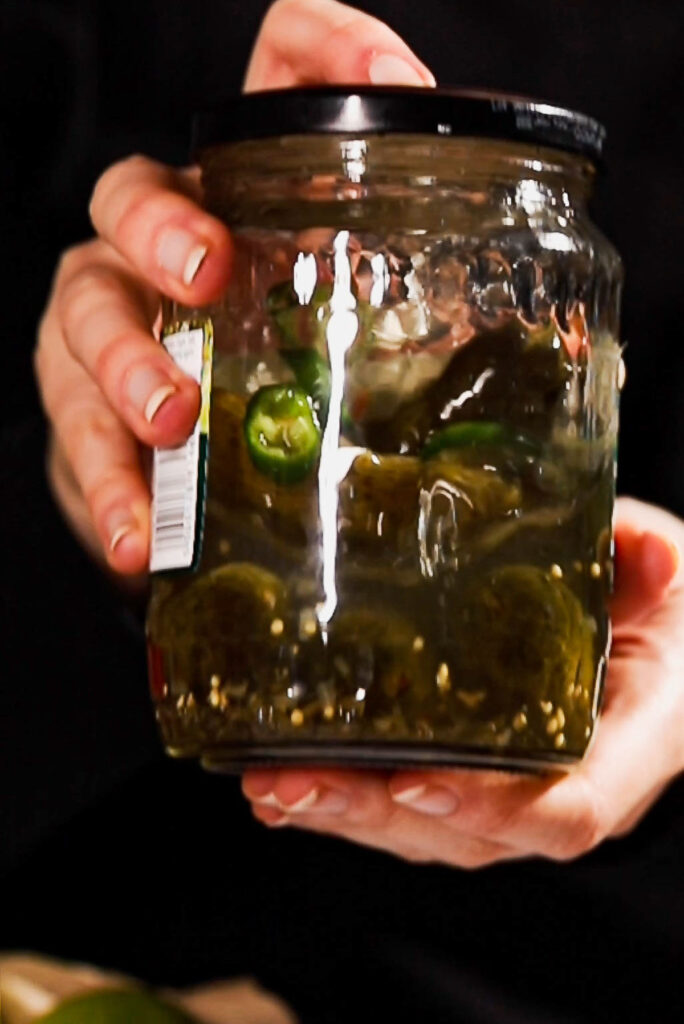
x=236, y=758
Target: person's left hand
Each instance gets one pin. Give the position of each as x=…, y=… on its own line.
x=476, y=818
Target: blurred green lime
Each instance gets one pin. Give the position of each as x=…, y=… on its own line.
x=115, y=1007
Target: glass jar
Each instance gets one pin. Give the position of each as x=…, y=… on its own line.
x=402, y=542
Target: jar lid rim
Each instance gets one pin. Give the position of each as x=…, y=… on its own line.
x=406, y=110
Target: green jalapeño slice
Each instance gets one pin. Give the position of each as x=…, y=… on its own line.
x=474, y=433
x=283, y=437
x=299, y=325
x=312, y=373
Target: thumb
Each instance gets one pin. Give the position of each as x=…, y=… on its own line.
x=646, y=562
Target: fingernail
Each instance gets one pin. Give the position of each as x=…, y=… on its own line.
x=148, y=389
x=194, y=262
x=303, y=804
x=326, y=801
x=282, y=820
x=428, y=799
x=270, y=817
x=267, y=800
x=119, y=525
x=386, y=69
x=119, y=535
x=156, y=400
x=180, y=254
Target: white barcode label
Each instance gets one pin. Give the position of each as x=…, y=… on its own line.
x=178, y=474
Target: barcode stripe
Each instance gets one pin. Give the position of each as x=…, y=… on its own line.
x=175, y=473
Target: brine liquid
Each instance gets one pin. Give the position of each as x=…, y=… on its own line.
x=415, y=598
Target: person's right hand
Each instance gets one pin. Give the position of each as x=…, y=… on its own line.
x=107, y=385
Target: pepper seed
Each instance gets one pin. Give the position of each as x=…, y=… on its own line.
x=443, y=678
x=520, y=721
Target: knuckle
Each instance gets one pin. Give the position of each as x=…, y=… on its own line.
x=277, y=13
x=280, y=6
x=98, y=495
x=135, y=163
x=347, y=34
x=69, y=263
x=79, y=283
x=40, y=373
x=106, y=367
x=494, y=816
x=78, y=294
x=39, y=352
x=113, y=177
x=84, y=425
x=473, y=855
x=415, y=856
x=45, y=362
x=587, y=831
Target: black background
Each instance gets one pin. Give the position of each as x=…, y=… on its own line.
x=111, y=853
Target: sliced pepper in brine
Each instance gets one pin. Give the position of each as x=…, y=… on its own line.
x=471, y=433
x=299, y=325
x=312, y=374
x=283, y=438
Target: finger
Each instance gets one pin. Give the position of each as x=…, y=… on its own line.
x=646, y=563
x=357, y=806
x=235, y=1001
x=560, y=817
x=107, y=329
x=359, y=796
x=494, y=806
x=144, y=211
x=104, y=460
x=99, y=454
x=305, y=41
x=411, y=839
x=532, y=815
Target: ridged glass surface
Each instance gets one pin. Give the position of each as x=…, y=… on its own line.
x=407, y=549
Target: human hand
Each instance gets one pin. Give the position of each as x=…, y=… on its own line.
x=33, y=987
x=476, y=818
x=107, y=385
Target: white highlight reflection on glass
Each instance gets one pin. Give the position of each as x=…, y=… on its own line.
x=354, y=158
x=351, y=113
x=335, y=462
x=556, y=240
x=381, y=279
x=456, y=403
x=304, y=277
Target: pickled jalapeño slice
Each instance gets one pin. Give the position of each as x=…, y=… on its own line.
x=299, y=325
x=472, y=433
x=312, y=373
x=283, y=438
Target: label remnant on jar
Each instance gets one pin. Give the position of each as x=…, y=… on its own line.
x=179, y=473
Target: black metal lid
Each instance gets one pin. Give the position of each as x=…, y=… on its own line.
x=379, y=110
